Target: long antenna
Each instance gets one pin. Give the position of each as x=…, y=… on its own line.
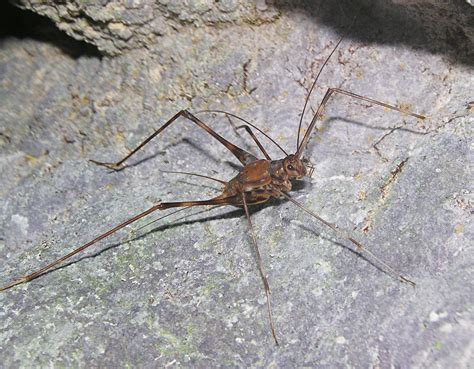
x=194, y=174
x=316, y=80
x=312, y=88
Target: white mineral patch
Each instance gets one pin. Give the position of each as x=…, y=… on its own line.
x=21, y=222
x=323, y=266
x=434, y=316
x=157, y=265
x=446, y=328
x=341, y=340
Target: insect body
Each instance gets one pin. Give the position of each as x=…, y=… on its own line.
x=258, y=181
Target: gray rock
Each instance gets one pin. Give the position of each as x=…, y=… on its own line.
x=186, y=291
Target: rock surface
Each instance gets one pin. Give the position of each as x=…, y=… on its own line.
x=186, y=291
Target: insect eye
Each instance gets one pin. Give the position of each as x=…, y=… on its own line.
x=291, y=167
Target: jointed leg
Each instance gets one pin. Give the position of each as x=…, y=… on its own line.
x=376, y=102
x=261, y=269
x=250, y=132
x=325, y=100
x=243, y=156
x=43, y=270
x=232, y=200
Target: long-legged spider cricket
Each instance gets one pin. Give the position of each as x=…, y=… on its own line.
x=257, y=182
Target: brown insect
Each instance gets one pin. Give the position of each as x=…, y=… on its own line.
x=257, y=182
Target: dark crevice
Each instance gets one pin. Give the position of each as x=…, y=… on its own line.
x=419, y=26
x=24, y=24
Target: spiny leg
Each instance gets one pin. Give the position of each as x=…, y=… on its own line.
x=325, y=100
x=360, y=248
x=261, y=269
x=376, y=102
x=243, y=156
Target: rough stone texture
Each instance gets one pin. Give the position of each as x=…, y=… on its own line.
x=116, y=26
x=186, y=292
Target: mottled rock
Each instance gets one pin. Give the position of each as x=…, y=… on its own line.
x=186, y=292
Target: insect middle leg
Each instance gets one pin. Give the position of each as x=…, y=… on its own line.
x=243, y=156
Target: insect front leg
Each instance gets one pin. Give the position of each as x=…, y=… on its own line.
x=359, y=247
x=329, y=93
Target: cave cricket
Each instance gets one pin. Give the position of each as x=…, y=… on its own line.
x=258, y=181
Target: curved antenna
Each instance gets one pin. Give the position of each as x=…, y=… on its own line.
x=246, y=122
x=160, y=218
x=177, y=211
x=316, y=80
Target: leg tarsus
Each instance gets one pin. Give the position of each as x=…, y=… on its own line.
x=116, y=167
